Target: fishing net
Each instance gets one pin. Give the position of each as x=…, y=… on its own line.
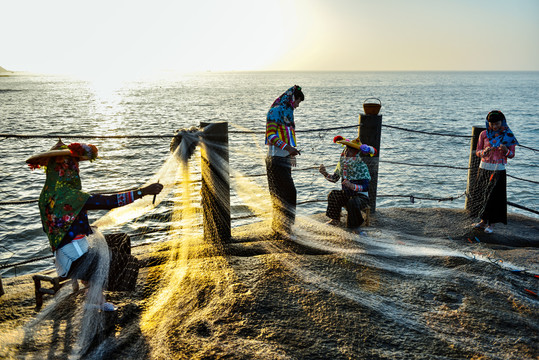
x=486, y=194
x=200, y=302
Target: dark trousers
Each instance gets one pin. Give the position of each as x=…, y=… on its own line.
x=353, y=204
x=282, y=191
x=494, y=197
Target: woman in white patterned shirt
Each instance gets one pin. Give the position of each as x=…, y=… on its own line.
x=355, y=178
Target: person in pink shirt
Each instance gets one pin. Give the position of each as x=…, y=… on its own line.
x=496, y=144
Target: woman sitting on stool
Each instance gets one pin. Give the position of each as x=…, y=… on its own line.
x=355, y=183
x=82, y=252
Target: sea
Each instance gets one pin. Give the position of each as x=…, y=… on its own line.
x=427, y=121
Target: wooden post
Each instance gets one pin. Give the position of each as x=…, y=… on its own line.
x=370, y=133
x=215, y=182
x=473, y=166
x=1, y=287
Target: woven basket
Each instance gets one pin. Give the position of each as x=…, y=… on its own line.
x=371, y=108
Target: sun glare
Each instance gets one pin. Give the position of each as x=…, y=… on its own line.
x=211, y=35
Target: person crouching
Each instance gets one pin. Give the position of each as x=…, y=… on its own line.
x=355, y=183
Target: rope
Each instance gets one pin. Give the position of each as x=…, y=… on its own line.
x=298, y=131
x=514, y=177
x=26, y=136
x=18, y=202
x=6, y=266
x=21, y=202
x=429, y=165
x=411, y=197
x=426, y=132
x=527, y=147
x=38, y=136
x=522, y=207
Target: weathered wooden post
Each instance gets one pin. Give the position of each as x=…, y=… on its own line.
x=1, y=287
x=215, y=182
x=370, y=133
x=472, y=198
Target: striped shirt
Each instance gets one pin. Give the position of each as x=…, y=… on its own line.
x=280, y=135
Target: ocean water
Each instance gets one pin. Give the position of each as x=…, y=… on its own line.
x=440, y=102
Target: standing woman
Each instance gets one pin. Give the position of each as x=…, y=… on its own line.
x=495, y=146
x=282, y=152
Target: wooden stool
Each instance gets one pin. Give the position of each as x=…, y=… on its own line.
x=56, y=281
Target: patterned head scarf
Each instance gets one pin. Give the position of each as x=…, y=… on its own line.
x=62, y=199
x=504, y=135
x=281, y=111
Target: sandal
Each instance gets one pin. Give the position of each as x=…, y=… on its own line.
x=479, y=225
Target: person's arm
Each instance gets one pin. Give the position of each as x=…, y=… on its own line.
x=508, y=152
x=357, y=185
x=108, y=202
x=272, y=138
x=480, y=151
x=333, y=178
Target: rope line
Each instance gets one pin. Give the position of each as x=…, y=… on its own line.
x=6, y=266
x=27, y=136
x=514, y=177
x=298, y=131
x=38, y=136
x=22, y=202
x=522, y=207
x=426, y=132
x=527, y=147
x=411, y=197
x=429, y=165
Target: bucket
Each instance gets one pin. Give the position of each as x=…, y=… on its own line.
x=372, y=108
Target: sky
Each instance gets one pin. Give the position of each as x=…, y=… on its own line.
x=134, y=37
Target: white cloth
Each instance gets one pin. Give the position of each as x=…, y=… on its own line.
x=275, y=151
x=65, y=255
x=491, y=166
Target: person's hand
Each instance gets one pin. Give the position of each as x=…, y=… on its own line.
x=348, y=184
x=487, y=151
x=152, y=189
x=504, y=149
x=292, y=150
x=323, y=170
x=293, y=161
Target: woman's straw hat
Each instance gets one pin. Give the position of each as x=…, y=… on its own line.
x=356, y=143
x=79, y=151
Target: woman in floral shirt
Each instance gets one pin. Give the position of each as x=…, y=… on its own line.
x=81, y=251
x=355, y=183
